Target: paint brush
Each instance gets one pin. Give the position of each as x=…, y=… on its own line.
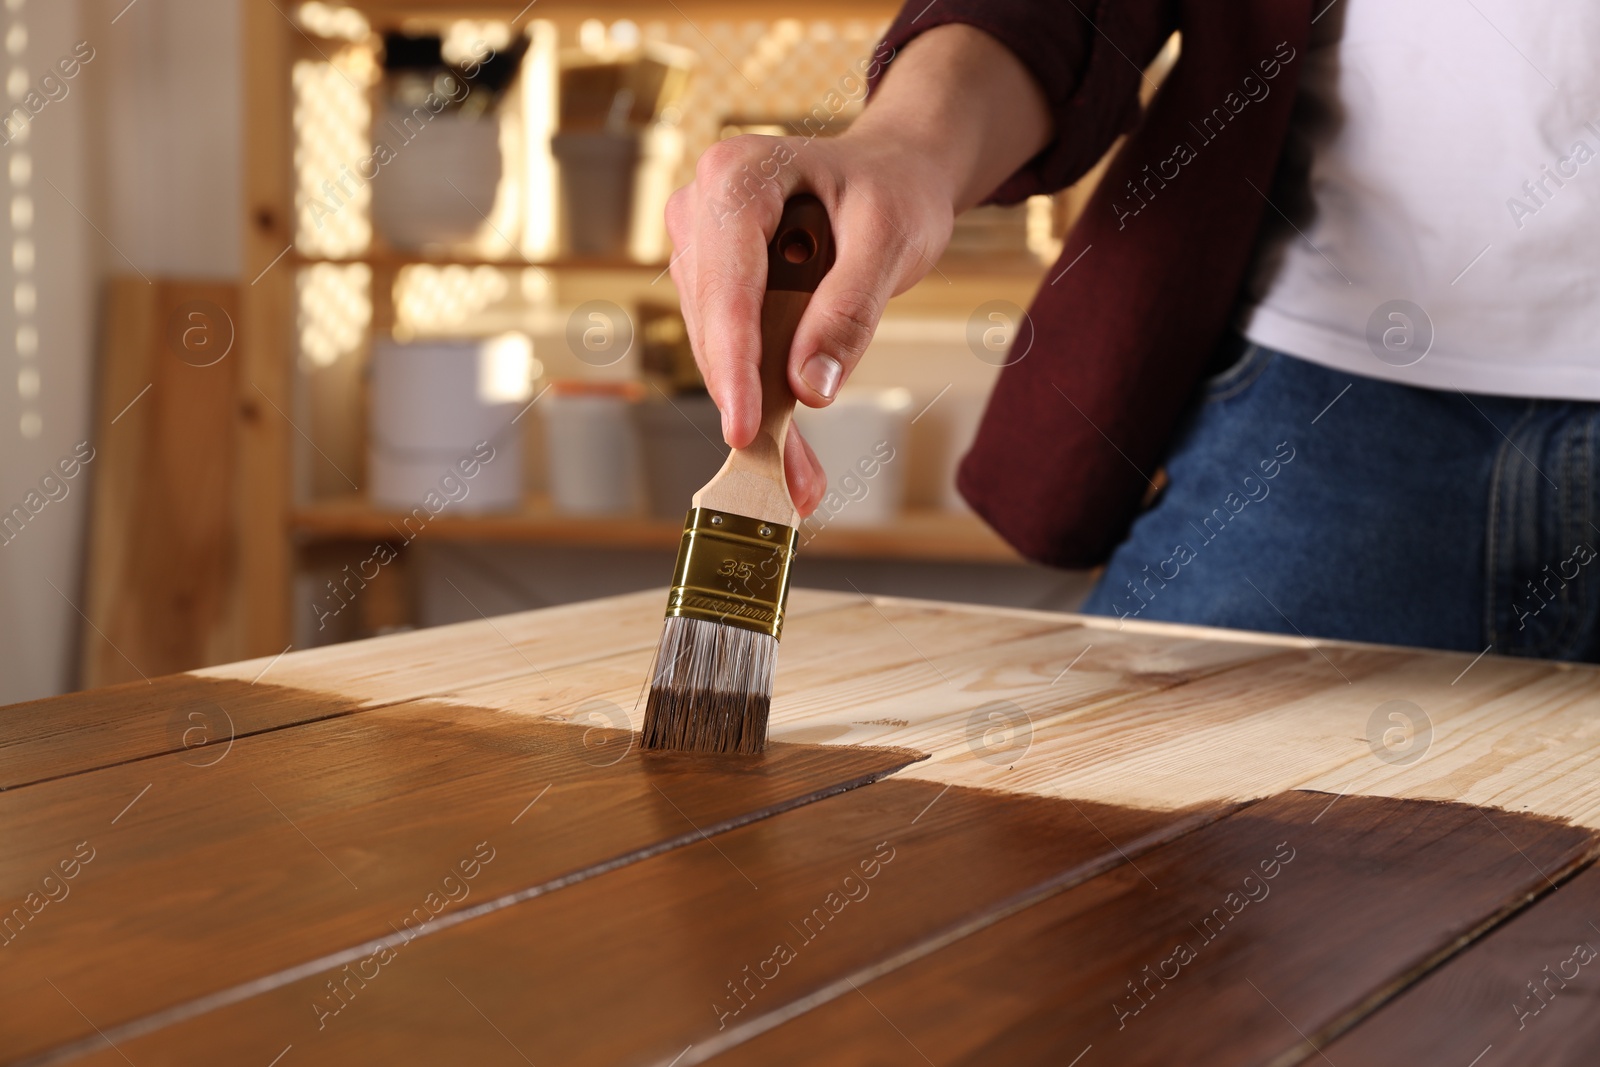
x=711, y=687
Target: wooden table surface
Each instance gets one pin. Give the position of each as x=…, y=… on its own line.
x=980, y=837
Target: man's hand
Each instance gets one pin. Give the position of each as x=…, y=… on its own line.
x=956, y=113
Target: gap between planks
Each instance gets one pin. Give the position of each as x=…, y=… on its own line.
x=1404, y=981
x=195, y=1007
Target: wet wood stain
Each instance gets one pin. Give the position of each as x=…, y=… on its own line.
x=1527, y=991
x=303, y=843
x=635, y=965
x=1249, y=941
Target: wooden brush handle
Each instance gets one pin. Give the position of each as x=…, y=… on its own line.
x=752, y=481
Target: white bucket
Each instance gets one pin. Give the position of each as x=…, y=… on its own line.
x=860, y=439
x=593, y=448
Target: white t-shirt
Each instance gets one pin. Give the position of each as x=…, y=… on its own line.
x=1444, y=156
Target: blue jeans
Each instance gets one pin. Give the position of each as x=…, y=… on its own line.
x=1307, y=500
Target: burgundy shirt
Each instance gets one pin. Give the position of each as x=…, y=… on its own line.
x=1076, y=428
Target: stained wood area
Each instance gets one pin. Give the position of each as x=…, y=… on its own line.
x=1250, y=941
x=710, y=936
x=1525, y=994
x=980, y=836
x=302, y=843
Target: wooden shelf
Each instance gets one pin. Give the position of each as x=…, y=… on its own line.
x=942, y=536
x=390, y=10
x=396, y=260
x=956, y=265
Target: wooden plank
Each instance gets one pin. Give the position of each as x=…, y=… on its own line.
x=427, y=662
x=1246, y=942
x=947, y=536
x=637, y=965
x=865, y=675
x=1532, y=749
x=1524, y=994
x=1107, y=827
x=383, y=10
x=160, y=539
x=910, y=674
x=266, y=348
x=302, y=842
x=1216, y=719
x=1299, y=717
x=198, y=713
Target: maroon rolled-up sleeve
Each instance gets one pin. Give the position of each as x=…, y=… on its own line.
x=1087, y=55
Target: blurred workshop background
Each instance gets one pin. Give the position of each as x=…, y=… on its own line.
x=329, y=320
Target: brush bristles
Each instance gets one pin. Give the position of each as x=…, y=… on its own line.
x=712, y=688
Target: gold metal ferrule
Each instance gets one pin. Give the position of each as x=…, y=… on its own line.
x=732, y=570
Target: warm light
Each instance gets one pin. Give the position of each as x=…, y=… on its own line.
x=332, y=121
x=506, y=369
x=335, y=310
x=330, y=20
x=432, y=300
x=592, y=36
x=466, y=39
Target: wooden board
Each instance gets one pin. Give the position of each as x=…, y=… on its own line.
x=860, y=674
x=262, y=495
x=1142, y=752
x=946, y=536
x=682, y=927
x=200, y=712
x=1159, y=964
x=1524, y=994
x=304, y=842
x=160, y=561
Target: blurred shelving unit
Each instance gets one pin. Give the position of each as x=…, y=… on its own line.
x=919, y=535
x=316, y=291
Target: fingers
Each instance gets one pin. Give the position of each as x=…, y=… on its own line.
x=807, y=482
x=872, y=257
x=738, y=207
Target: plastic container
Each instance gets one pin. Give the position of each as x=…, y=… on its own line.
x=860, y=440
x=681, y=444
x=614, y=189
x=592, y=445
x=440, y=431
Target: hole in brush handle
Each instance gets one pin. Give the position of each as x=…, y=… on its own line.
x=796, y=246
x=802, y=249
